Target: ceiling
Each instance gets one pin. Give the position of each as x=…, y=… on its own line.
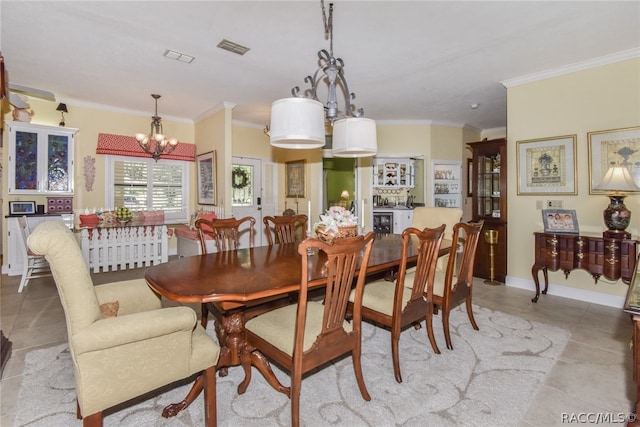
x=404, y=60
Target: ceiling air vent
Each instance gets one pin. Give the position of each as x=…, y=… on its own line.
x=232, y=47
x=172, y=54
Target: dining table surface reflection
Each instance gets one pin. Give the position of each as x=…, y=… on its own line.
x=233, y=279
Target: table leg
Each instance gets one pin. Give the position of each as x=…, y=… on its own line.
x=234, y=351
x=534, y=272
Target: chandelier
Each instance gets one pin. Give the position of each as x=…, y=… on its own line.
x=299, y=121
x=155, y=142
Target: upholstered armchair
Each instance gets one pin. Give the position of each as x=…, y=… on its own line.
x=139, y=350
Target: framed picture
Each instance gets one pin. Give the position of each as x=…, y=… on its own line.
x=469, y=177
x=547, y=166
x=22, y=208
x=206, y=164
x=560, y=221
x=295, y=178
x=610, y=148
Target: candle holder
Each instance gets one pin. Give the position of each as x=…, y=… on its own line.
x=491, y=237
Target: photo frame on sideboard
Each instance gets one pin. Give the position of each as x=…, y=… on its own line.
x=22, y=208
x=560, y=221
x=206, y=163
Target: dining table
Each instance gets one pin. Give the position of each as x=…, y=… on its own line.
x=238, y=278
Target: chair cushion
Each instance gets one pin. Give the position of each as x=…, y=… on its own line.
x=378, y=296
x=278, y=326
x=209, y=217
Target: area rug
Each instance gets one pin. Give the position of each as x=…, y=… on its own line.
x=489, y=379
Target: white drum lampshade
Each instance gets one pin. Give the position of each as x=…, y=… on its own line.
x=354, y=137
x=297, y=123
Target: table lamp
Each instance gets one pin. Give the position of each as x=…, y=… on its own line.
x=63, y=109
x=617, y=182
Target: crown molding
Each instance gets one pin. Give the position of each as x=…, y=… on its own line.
x=572, y=68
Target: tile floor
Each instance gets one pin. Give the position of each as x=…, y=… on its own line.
x=593, y=375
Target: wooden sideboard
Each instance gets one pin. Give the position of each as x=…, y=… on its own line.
x=632, y=306
x=601, y=256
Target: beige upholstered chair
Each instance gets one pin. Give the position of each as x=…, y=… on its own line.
x=402, y=303
x=285, y=228
x=433, y=217
x=455, y=284
x=305, y=336
x=141, y=349
x=34, y=266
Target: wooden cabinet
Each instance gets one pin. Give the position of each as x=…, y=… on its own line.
x=601, y=256
x=489, y=198
x=393, y=173
x=40, y=159
x=632, y=306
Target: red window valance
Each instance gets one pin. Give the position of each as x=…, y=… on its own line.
x=123, y=145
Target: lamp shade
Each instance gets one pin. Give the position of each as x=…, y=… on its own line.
x=618, y=179
x=62, y=107
x=297, y=123
x=354, y=137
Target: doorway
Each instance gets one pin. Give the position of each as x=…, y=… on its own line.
x=252, y=194
x=339, y=183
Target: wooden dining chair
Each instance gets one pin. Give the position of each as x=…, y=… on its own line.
x=304, y=336
x=34, y=266
x=401, y=303
x=455, y=284
x=225, y=232
x=285, y=228
x=226, y=235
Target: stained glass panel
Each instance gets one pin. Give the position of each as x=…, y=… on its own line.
x=58, y=161
x=26, y=177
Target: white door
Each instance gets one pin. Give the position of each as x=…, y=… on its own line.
x=252, y=194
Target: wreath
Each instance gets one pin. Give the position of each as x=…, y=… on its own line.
x=239, y=178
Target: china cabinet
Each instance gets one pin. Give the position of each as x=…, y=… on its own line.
x=393, y=173
x=40, y=159
x=447, y=183
x=489, y=203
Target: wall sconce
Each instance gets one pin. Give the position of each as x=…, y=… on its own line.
x=63, y=109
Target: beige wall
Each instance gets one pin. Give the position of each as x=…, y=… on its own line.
x=607, y=97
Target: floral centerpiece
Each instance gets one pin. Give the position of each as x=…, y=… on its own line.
x=337, y=222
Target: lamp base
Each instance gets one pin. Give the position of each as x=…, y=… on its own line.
x=616, y=216
x=616, y=234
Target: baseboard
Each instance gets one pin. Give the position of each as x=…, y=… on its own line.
x=568, y=292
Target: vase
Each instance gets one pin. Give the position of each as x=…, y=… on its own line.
x=331, y=235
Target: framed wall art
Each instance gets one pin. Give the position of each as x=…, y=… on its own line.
x=22, y=208
x=611, y=148
x=560, y=221
x=547, y=166
x=295, y=178
x=469, y=177
x=206, y=164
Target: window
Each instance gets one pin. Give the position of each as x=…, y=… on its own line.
x=144, y=184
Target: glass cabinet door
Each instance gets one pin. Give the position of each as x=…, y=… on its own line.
x=40, y=159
